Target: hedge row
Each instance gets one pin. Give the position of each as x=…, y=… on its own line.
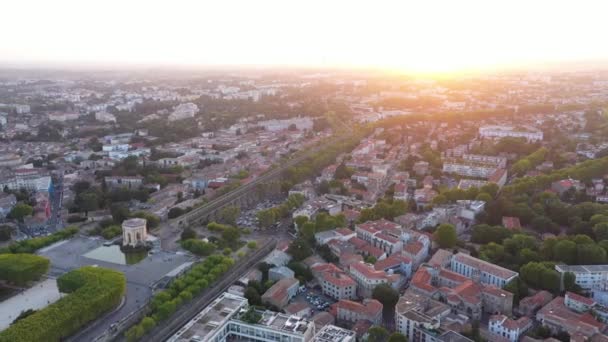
x=92, y=292
x=21, y=268
x=179, y=292
x=34, y=244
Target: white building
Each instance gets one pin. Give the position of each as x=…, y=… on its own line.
x=588, y=277
x=487, y=273
x=224, y=320
x=509, y=328
x=508, y=131
x=22, y=109
x=63, y=117
x=184, y=111
x=105, y=117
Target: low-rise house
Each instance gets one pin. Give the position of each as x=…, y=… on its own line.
x=530, y=305
x=300, y=309
x=340, y=234
x=281, y=292
x=278, y=273
x=558, y=317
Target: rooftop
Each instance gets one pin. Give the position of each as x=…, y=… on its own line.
x=332, y=333
x=203, y=325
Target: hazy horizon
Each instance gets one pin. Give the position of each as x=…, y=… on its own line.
x=412, y=37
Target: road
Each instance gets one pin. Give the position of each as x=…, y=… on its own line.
x=188, y=311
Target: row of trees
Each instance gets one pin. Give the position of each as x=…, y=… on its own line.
x=179, y=292
x=20, y=269
x=34, y=244
x=384, y=209
x=486, y=193
x=529, y=162
x=92, y=291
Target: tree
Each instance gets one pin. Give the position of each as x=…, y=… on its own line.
x=22, y=268
x=175, y=212
x=299, y=249
x=397, y=337
x=231, y=235
x=88, y=201
x=187, y=234
x=266, y=218
x=377, y=334
x=253, y=296
x=565, y=250
x=20, y=211
x=482, y=196
x=5, y=232
x=252, y=245
x=446, y=236
x=119, y=212
x=386, y=295
x=229, y=214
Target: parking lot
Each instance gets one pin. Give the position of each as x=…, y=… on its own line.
x=248, y=219
x=317, y=300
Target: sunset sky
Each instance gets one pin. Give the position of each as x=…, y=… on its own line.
x=417, y=36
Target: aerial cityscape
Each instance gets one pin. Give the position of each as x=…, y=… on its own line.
x=325, y=196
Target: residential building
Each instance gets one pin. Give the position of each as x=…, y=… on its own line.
x=588, y=277
x=281, y=292
x=349, y=311
x=278, y=273
x=530, y=305
x=558, y=317
x=367, y=278
x=129, y=182
x=488, y=273
x=468, y=168
x=334, y=282
x=340, y=234
x=10, y=160
x=507, y=131
x=508, y=328
x=414, y=312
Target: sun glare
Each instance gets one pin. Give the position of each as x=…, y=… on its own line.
x=412, y=36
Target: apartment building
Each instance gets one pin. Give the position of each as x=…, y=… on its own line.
x=499, y=162
x=468, y=168
x=367, y=278
x=487, y=273
x=335, y=283
x=496, y=131
x=415, y=312
x=349, y=311
x=588, y=277
x=558, y=317
x=507, y=328
x=381, y=234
